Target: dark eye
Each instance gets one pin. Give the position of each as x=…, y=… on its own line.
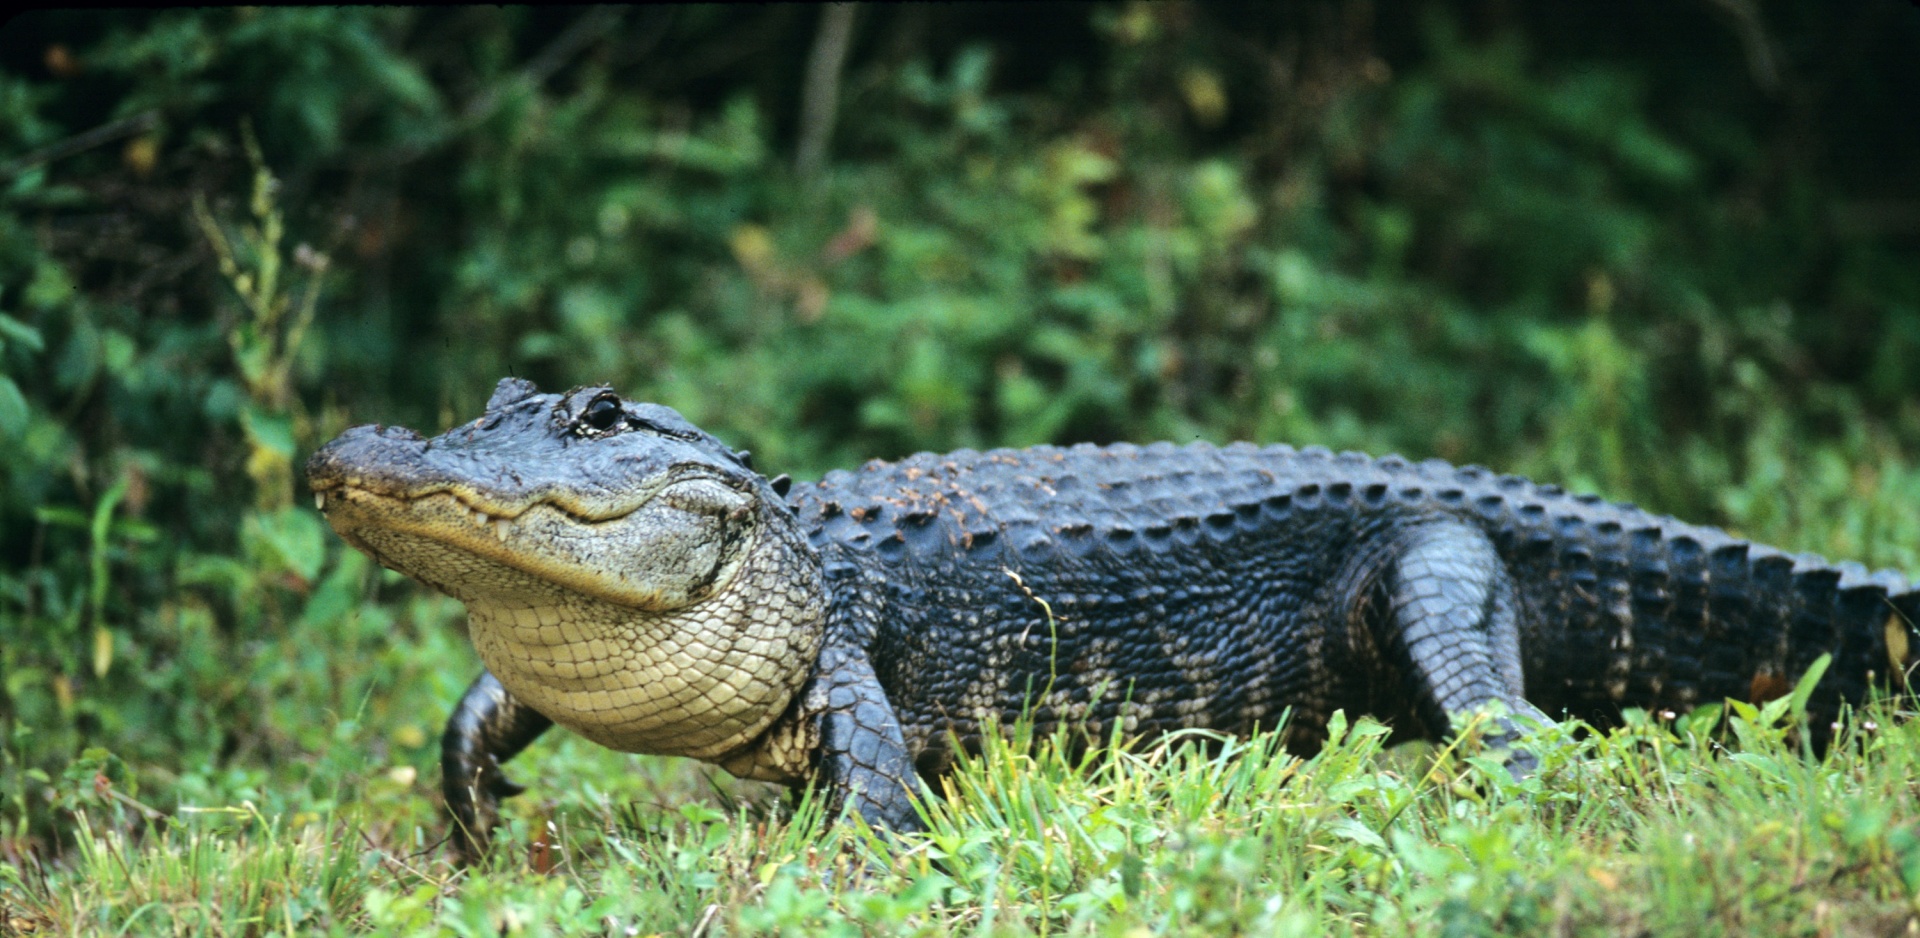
x=602, y=415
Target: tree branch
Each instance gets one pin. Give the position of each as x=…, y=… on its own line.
x=83, y=141
x=820, y=98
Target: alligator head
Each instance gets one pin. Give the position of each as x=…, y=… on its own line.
x=624, y=572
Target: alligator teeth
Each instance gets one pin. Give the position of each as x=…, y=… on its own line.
x=500, y=529
x=320, y=501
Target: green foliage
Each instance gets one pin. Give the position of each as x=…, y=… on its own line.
x=226, y=234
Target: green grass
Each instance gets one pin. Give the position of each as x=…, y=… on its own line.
x=1653, y=828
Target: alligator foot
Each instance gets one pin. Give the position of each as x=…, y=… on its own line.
x=1504, y=731
x=488, y=727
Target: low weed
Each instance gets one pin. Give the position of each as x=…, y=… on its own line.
x=1702, y=824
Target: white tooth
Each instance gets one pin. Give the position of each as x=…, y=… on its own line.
x=320, y=501
x=500, y=529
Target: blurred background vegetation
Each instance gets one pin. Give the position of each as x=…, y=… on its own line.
x=1666, y=252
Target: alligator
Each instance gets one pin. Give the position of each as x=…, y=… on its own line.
x=632, y=578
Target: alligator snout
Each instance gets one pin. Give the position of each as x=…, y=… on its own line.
x=367, y=453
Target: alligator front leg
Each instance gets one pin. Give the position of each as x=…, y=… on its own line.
x=1452, y=625
x=488, y=727
x=863, y=758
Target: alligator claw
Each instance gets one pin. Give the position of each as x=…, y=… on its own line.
x=1520, y=763
x=475, y=809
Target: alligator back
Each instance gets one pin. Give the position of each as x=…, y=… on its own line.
x=1169, y=587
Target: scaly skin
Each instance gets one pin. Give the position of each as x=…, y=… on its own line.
x=648, y=590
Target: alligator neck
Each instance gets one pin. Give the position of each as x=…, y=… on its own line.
x=701, y=681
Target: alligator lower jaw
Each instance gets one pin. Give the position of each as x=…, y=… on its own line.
x=445, y=542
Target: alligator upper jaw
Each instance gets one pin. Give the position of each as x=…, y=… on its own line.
x=331, y=485
x=329, y=491
x=498, y=482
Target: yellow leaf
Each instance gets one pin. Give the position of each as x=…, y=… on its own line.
x=752, y=246
x=1136, y=23
x=1206, y=97
x=140, y=155
x=102, y=650
x=410, y=736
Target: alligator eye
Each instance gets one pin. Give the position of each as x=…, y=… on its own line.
x=602, y=414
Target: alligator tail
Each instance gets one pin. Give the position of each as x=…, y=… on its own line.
x=1902, y=641
x=1714, y=617
x=1641, y=611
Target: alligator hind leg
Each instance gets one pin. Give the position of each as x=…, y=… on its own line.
x=488, y=727
x=1452, y=626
